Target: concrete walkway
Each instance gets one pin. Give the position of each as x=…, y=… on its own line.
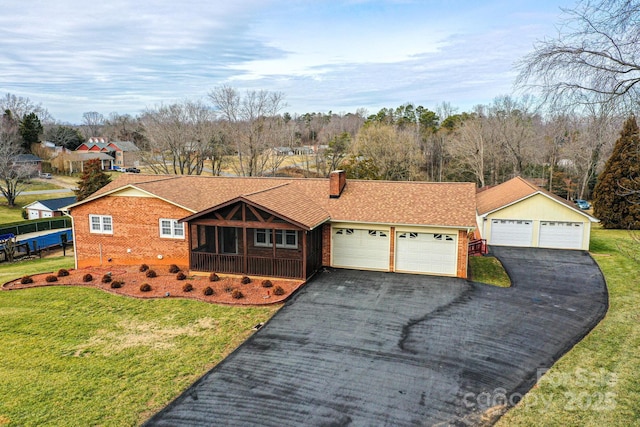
x=366, y=348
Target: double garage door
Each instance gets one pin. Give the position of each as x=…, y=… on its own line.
x=415, y=252
x=552, y=234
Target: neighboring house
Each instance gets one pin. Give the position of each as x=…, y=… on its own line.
x=124, y=153
x=281, y=227
x=73, y=161
x=518, y=213
x=48, y=208
x=28, y=160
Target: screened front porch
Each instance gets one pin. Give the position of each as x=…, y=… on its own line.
x=254, y=246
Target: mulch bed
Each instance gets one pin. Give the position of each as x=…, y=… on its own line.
x=166, y=285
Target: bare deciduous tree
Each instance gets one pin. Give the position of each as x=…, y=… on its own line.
x=180, y=138
x=594, y=57
x=13, y=174
x=252, y=125
x=92, y=122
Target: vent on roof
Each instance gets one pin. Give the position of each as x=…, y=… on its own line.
x=337, y=182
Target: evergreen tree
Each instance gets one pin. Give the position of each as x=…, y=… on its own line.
x=615, y=196
x=93, y=178
x=30, y=130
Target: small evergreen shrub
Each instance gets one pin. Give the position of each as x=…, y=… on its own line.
x=213, y=277
x=143, y=268
x=87, y=278
x=181, y=276
x=237, y=294
x=151, y=274
x=278, y=290
x=173, y=269
x=51, y=278
x=245, y=280
x=26, y=280
x=208, y=291
x=106, y=278
x=267, y=283
x=188, y=287
x=63, y=272
x=145, y=287
x=228, y=288
x=116, y=284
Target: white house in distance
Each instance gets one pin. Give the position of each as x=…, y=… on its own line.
x=519, y=213
x=48, y=208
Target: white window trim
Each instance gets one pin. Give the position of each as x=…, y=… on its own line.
x=269, y=236
x=175, y=226
x=104, y=228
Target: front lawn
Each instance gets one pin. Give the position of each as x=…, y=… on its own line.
x=80, y=356
x=597, y=382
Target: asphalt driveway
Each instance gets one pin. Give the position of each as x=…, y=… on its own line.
x=366, y=348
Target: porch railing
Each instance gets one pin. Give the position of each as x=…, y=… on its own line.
x=478, y=247
x=259, y=266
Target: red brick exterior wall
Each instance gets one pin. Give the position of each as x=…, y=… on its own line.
x=326, y=245
x=135, y=227
x=392, y=251
x=463, y=254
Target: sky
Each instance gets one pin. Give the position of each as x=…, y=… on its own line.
x=74, y=56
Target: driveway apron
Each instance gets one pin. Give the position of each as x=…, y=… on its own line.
x=370, y=348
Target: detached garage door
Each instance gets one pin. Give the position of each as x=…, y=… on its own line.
x=561, y=235
x=354, y=248
x=511, y=232
x=426, y=253
x=34, y=214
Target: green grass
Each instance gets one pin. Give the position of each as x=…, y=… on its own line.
x=79, y=356
x=488, y=269
x=23, y=268
x=597, y=382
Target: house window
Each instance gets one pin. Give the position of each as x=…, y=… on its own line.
x=101, y=224
x=171, y=228
x=287, y=239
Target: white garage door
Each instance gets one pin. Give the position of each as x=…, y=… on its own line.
x=47, y=214
x=511, y=232
x=354, y=248
x=426, y=253
x=34, y=214
x=561, y=235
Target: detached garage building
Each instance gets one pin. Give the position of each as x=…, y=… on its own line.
x=518, y=213
x=48, y=208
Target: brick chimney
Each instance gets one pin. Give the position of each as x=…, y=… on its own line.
x=337, y=181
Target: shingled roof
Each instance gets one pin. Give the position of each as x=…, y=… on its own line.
x=307, y=201
x=512, y=191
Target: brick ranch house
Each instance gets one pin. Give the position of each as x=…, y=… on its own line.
x=279, y=227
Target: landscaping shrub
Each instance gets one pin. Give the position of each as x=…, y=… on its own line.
x=116, y=284
x=63, y=272
x=26, y=280
x=145, y=287
x=143, y=268
x=213, y=277
x=106, y=278
x=208, y=290
x=151, y=273
x=87, y=277
x=181, y=276
x=237, y=294
x=278, y=290
x=188, y=287
x=173, y=269
x=267, y=283
x=245, y=280
x=51, y=278
x=228, y=288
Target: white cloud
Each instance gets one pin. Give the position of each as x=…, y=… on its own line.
x=124, y=56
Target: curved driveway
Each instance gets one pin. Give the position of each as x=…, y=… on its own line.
x=367, y=348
